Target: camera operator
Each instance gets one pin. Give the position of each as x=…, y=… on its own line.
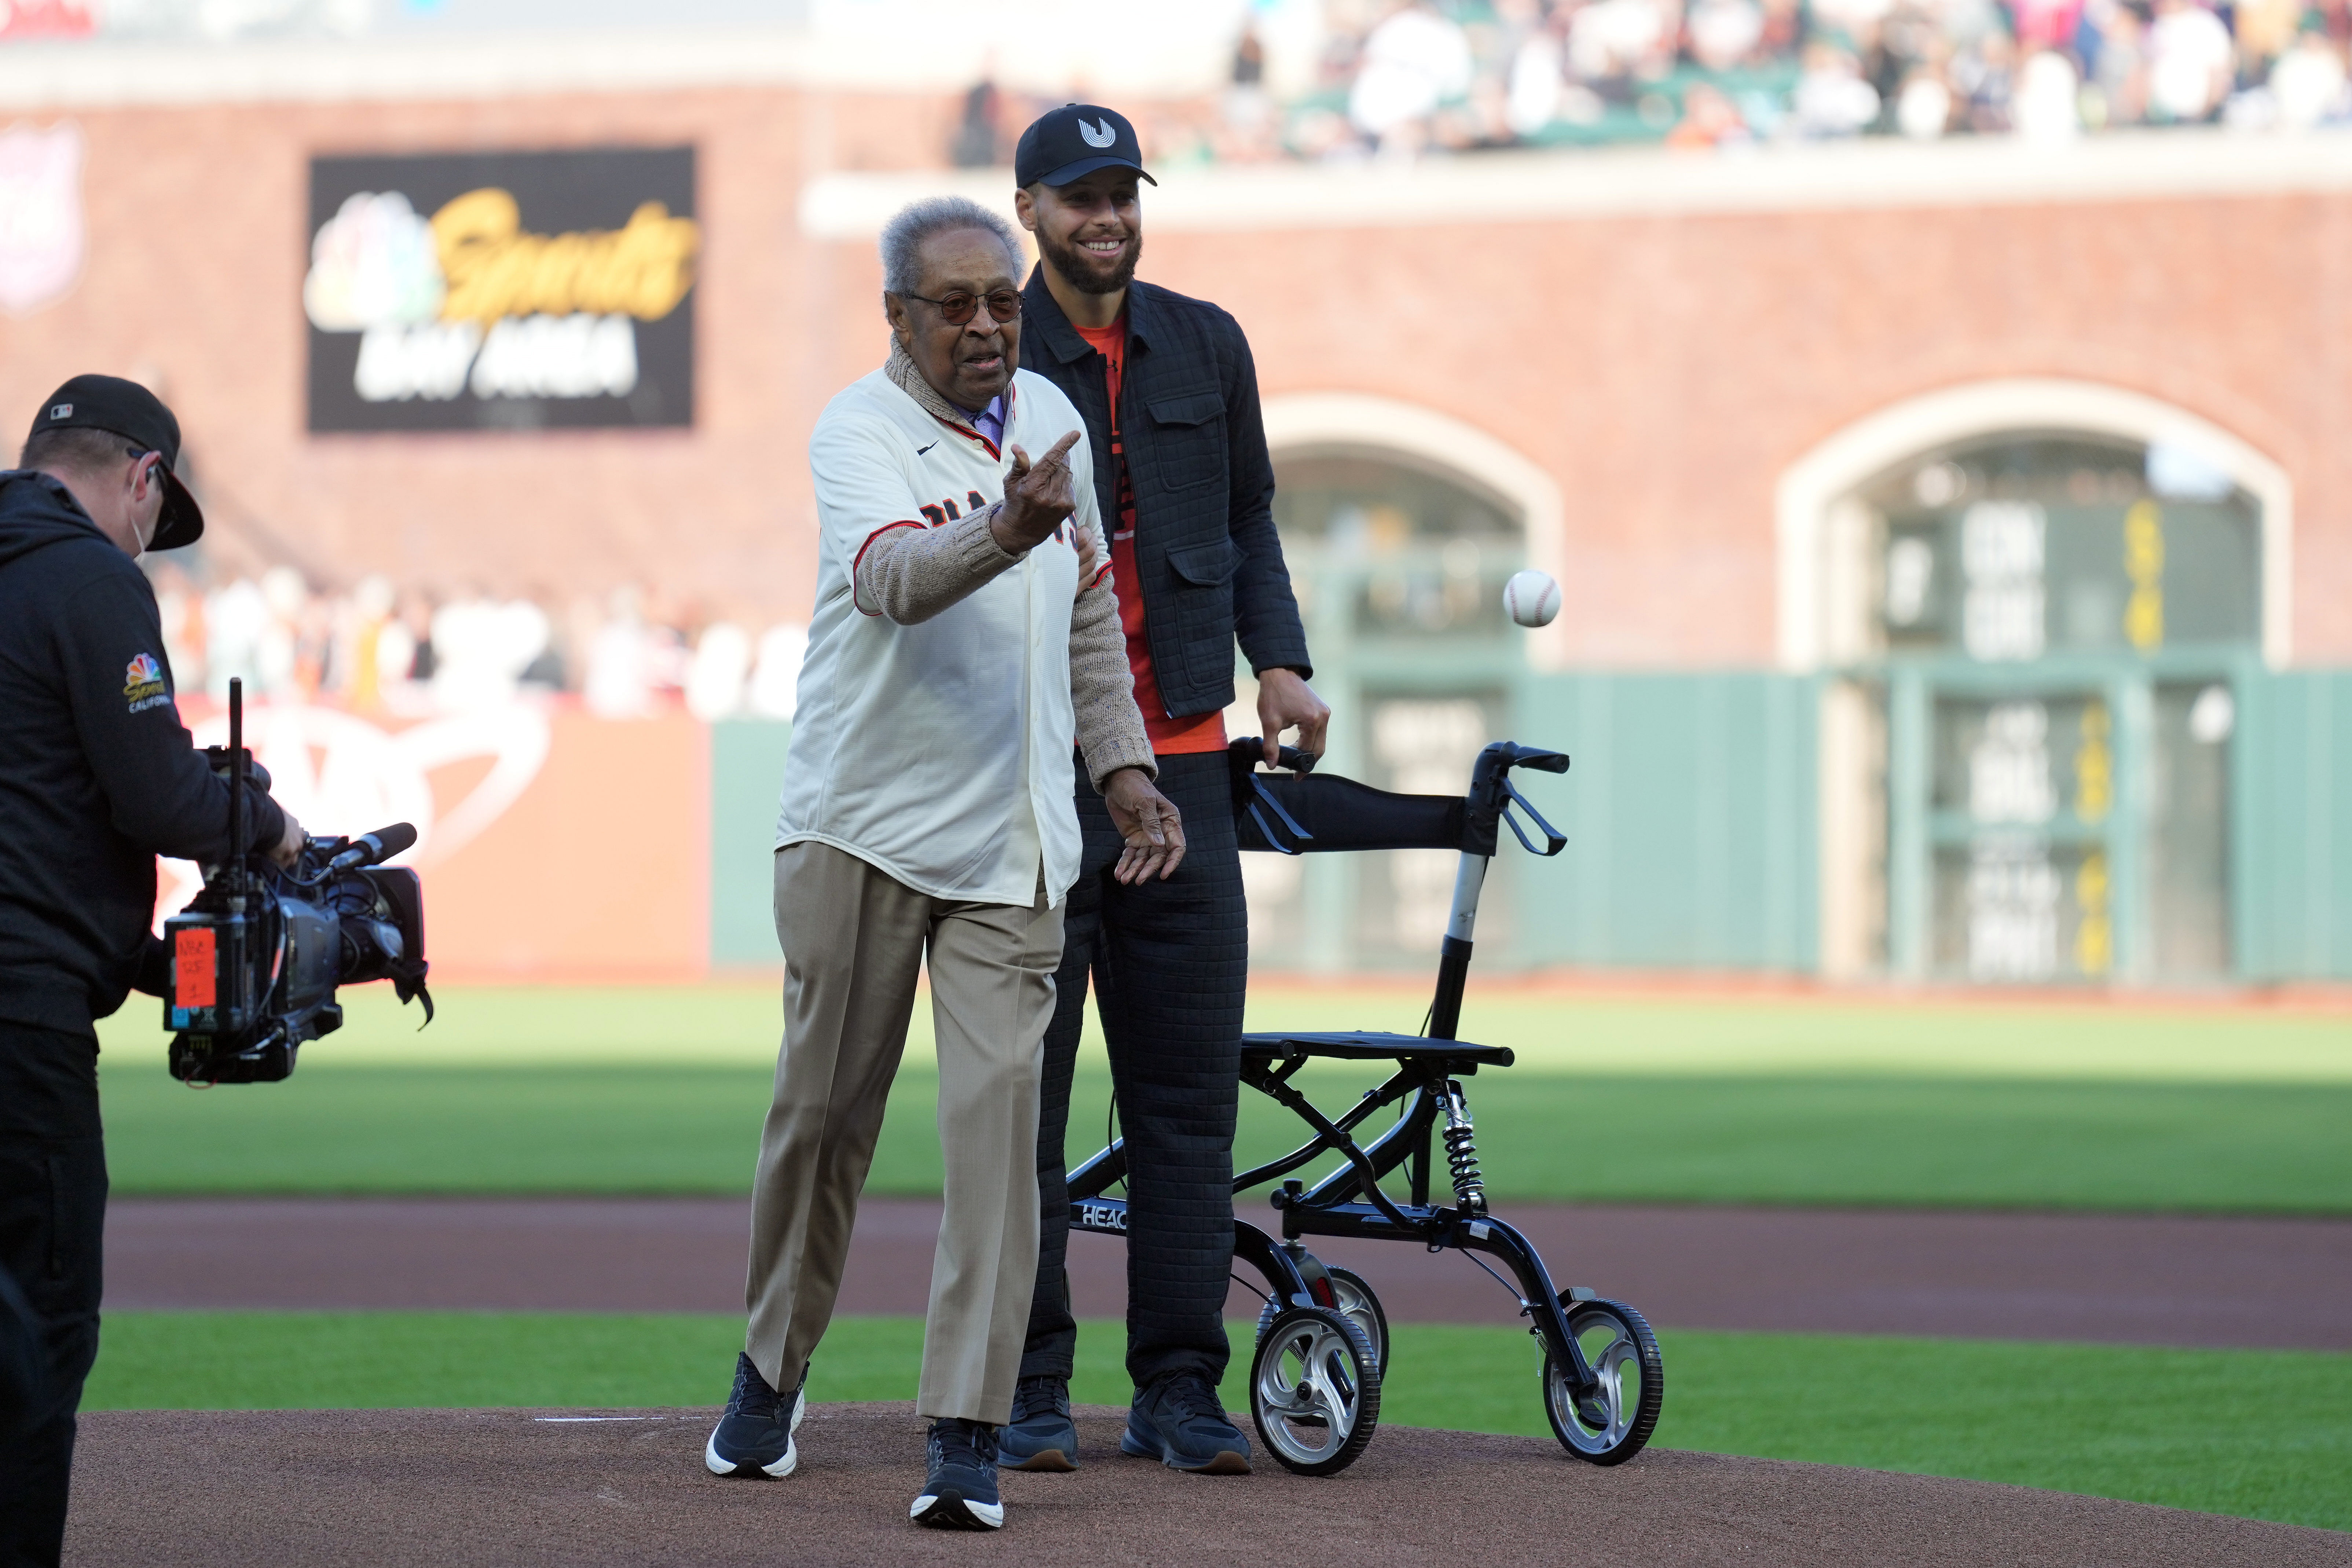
x=96, y=778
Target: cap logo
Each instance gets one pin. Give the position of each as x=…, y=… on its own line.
x=61, y=411
x=1100, y=135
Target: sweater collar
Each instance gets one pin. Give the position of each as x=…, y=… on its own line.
x=907, y=378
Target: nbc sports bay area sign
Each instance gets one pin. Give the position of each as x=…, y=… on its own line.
x=502, y=290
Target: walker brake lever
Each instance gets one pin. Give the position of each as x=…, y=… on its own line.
x=1266, y=795
x=1556, y=840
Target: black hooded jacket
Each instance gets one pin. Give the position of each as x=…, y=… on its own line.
x=97, y=774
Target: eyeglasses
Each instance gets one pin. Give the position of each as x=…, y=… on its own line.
x=960, y=307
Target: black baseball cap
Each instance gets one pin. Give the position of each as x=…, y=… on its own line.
x=1075, y=141
x=127, y=409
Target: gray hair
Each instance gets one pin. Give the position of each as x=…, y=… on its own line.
x=903, y=236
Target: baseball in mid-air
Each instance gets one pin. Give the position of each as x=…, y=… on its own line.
x=1531, y=599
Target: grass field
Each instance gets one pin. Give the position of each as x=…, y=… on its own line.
x=2263, y=1433
x=659, y=1090
x=1756, y=1099
x=735, y=1023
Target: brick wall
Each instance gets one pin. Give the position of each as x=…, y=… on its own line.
x=1666, y=368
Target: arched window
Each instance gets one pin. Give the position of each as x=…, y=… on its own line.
x=2014, y=548
x=2037, y=631
x=1424, y=555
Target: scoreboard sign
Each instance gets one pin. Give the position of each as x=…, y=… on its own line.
x=502, y=290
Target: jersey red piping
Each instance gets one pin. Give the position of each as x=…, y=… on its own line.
x=860, y=557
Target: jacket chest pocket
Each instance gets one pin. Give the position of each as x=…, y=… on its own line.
x=1205, y=565
x=1187, y=440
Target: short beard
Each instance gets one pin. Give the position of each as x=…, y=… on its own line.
x=1078, y=269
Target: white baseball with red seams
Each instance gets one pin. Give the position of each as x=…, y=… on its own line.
x=1531, y=599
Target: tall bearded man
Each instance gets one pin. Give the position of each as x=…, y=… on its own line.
x=1181, y=471
x=964, y=638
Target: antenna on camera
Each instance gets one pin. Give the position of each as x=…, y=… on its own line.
x=237, y=886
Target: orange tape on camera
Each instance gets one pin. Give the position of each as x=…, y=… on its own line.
x=192, y=967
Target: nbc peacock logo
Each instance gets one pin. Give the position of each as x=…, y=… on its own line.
x=142, y=683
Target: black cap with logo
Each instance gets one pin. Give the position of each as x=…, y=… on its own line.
x=127, y=409
x=1075, y=141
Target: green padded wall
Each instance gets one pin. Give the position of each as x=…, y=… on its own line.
x=746, y=769
x=2293, y=827
x=1690, y=814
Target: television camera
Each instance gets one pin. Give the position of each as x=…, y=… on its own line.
x=257, y=954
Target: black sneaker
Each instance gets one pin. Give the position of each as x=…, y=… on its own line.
x=960, y=1493
x=1041, y=1436
x=1178, y=1421
x=754, y=1438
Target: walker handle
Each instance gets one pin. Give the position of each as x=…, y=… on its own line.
x=1492, y=795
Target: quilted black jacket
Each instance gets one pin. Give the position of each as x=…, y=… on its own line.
x=1206, y=546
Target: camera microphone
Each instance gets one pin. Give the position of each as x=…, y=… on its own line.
x=372, y=848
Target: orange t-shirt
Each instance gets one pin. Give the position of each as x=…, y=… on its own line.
x=1170, y=737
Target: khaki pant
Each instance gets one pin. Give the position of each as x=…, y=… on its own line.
x=854, y=940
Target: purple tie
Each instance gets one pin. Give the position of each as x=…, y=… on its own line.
x=990, y=421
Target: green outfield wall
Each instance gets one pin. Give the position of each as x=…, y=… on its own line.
x=1693, y=818
x=747, y=770
x=2292, y=825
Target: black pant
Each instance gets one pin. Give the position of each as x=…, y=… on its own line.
x=52, y=1235
x=1170, y=962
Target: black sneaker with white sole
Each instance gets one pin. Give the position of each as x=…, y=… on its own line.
x=960, y=1491
x=754, y=1438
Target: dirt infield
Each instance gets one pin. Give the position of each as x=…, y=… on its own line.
x=2125, y=1278
x=376, y=1489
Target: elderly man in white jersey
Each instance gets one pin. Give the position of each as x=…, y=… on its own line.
x=965, y=636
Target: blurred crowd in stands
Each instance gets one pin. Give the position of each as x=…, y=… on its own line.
x=1400, y=77
x=380, y=649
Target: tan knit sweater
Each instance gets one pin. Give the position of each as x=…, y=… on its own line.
x=912, y=574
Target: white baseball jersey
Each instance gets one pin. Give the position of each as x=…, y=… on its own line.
x=939, y=753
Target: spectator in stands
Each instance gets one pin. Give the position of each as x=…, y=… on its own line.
x=2307, y=84
x=1453, y=75
x=2115, y=60
x=1413, y=63
x=1832, y=98
x=2192, y=62
x=620, y=681
x=974, y=146
x=2046, y=105
x=365, y=627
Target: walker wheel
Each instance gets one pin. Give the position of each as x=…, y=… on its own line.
x=1352, y=1293
x=1609, y=1428
x=1315, y=1390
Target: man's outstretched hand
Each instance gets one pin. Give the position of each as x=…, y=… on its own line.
x=1037, y=499
x=1284, y=700
x=1148, y=821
